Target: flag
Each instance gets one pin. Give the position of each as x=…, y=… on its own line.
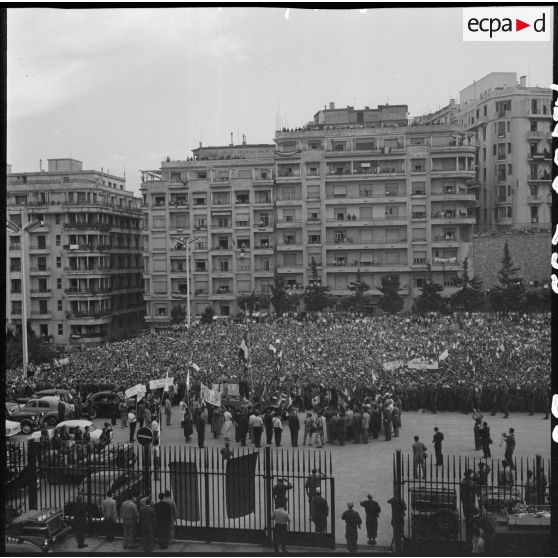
x=188, y=381
x=243, y=349
x=316, y=400
x=264, y=393
x=272, y=348
x=443, y=355
x=166, y=388
x=240, y=485
x=289, y=401
x=195, y=367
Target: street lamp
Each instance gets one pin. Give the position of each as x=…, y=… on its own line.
x=184, y=242
x=16, y=229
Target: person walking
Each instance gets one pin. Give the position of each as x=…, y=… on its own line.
x=277, y=429
x=132, y=421
x=108, y=508
x=353, y=522
x=294, y=427
x=281, y=520
x=510, y=446
x=395, y=420
x=80, y=521
x=123, y=410
x=485, y=440
x=419, y=458
x=365, y=425
x=321, y=511
x=373, y=510
x=163, y=514
x=174, y=510
x=243, y=426
x=228, y=432
x=200, y=429
x=168, y=410
x=129, y=516
x=257, y=429
x=387, y=422
x=437, y=441
x=308, y=428
x=148, y=522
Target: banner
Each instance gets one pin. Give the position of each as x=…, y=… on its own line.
x=420, y=364
x=135, y=390
x=234, y=390
x=161, y=383
x=210, y=396
x=393, y=365
x=241, y=485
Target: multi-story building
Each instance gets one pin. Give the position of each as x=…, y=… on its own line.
x=511, y=124
x=220, y=202
x=371, y=194
x=84, y=281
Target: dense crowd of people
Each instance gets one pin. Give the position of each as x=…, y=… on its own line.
x=493, y=363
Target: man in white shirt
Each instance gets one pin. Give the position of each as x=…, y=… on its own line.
x=257, y=429
x=282, y=519
x=156, y=429
x=132, y=420
x=277, y=429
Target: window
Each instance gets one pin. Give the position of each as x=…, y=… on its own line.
x=41, y=242
x=534, y=190
x=199, y=223
x=59, y=305
x=58, y=261
x=391, y=189
x=15, y=264
x=288, y=215
x=314, y=239
x=501, y=129
x=200, y=200
x=419, y=257
x=264, y=220
x=502, y=193
x=43, y=328
x=43, y=285
x=263, y=197
x=509, y=170
x=313, y=192
x=16, y=307
x=501, y=172
x=224, y=266
x=16, y=286
x=224, y=310
x=339, y=191
x=43, y=307
x=313, y=216
x=418, y=188
x=509, y=147
x=58, y=240
x=58, y=283
x=419, y=234
x=501, y=151
x=419, y=282
x=242, y=198
x=41, y=263
x=534, y=214
x=534, y=106
x=60, y=329
x=485, y=111
x=223, y=242
x=222, y=222
x=339, y=236
x=162, y=311
x=533, y=125
x=392, y=212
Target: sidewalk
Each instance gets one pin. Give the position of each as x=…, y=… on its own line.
x=98, y=545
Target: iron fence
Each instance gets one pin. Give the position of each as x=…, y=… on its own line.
x=217, y=498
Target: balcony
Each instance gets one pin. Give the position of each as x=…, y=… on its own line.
x=288, y=173
x=95, y=268
x=93, y=247
x=468, y=173
x=90, y=337
x=350, y=244
x=452, y=196
x=179, y=294
x=296, y=245
x=39, y=270
x=503, y=220
x=537, y=135
x=76, y=292
x=288, y=223
x=37, y=293
x=104, y=227
x=36, y=248
x=88, y=315
x=534, y=199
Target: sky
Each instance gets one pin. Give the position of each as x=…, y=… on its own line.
x=121, y=89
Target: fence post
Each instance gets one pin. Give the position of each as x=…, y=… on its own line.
x=332, y=496
x=398, y=496
x=268, y=492
x=89, y=495
x=538, y=479
x=146, y=469
x=32, y=475
x=206, y=486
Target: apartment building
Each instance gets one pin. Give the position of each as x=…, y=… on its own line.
x=83, y=265
x=220, y=204
x=511, y=124
x=373, y=195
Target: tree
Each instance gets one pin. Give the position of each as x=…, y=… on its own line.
x=391, y=301
x=282, y=300
x=207, y=315
x=178, y=314
x=470, y=296
x=253, y=302
x=509, y=295
x=430, y=299
x=538, y=300
x=358, y=301
x=315, y=296
x=38, y=351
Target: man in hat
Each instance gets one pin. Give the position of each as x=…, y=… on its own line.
x=313, y=482
x=280, y=493
x=352, y=524
x=373, y=510
x=321, y=511
x=308, y=428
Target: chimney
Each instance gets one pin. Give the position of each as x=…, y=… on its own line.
x=523, y=81
x=200, y=144
x=243, y=139
x=331, y=105
x=232, y=143
x=41, y=165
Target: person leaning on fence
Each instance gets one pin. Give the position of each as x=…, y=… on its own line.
x=398, y=509
x=373, y=510
x=353, y=522
x=163, y=513
x=80, y=521
x=321, y=512
x=129, y=516
x=311, y=486
x=172, y=503
x=281, y=520
x=437, y=441
x=108, y=508
x=147, y=522
x=280, y=492
x=419, y=458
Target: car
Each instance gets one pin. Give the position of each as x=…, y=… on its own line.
x=12, y=428
x=122, y=485
x=48, y=405
x=103, y=401
x=63, y=394
x=73, y=425
x=29, y=418
x=44, y=528
x=15, y=545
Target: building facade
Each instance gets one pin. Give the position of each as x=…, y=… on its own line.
x=511, y=124
x=84, y=281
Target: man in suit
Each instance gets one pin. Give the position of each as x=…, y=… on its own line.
x=373, y=510
x=353, y=522
x=163, y=513
x=437, y=441
x=148, y=522
x=294, y=427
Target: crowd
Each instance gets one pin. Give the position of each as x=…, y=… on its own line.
x=493, y=363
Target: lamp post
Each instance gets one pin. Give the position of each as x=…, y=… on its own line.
x=15, y=228
x=185, y=243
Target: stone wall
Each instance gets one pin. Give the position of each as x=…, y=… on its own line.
x=530, y=252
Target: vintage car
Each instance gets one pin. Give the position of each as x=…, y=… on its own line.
x=73, y=425
x=44, y=528
x=12, y=428
x=63, y=394
x=48, y=405
x=15, y=545
x=101, y=403
x=29, y=418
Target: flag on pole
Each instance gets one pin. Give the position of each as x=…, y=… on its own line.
x=243, y=349
x=443, y=355
x=272, y=348
x=264, y=393
x=316, y=400
x=195, y=367
x=188, y=381
x=166, y=388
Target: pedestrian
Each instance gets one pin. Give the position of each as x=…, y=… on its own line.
x=479, y=544
x=419, y=458
x=485, y=440
x=308, y=428
x=200, y=429
x=163, y=514
x=182, y=411
x=437, y=441
x=373, y=510
x=129, y=516
x=168, y=410
x=113, y=413
x=108, y=508
x=156, y=457
x=228, y=418
x=319, y=427
x=242, y=426
x=468, y=494
x=311, y=486
x=226, y=452
x=352, y=524
x=187, y=424
x=398, y=509
x=148, y=522
x=132, y=421
x=277, y=429
x=387, y=422
x=141, y=413
x=80, y=521
x=174, y=510
x=155, y=428
x=357, y=420
x=321, y=511
x=395, y=420
x=148, y=415
x=510, y=446
x=294, y=427
x=122, y=408
x=280, y=492
x=257, y=429
x=365, y=424
x=268, y=423
x=530, y=490
x=281, y=520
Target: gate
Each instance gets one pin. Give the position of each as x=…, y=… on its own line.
x=217, y=499
x=447, y=505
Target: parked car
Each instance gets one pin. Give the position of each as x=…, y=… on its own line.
x=44, y=528
x=73, y=425
x=63, y=394
x=47, y=405
x=15, y=545
x=12, y=428
x=30, y=418
x=102, y=402
x=120, y=484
